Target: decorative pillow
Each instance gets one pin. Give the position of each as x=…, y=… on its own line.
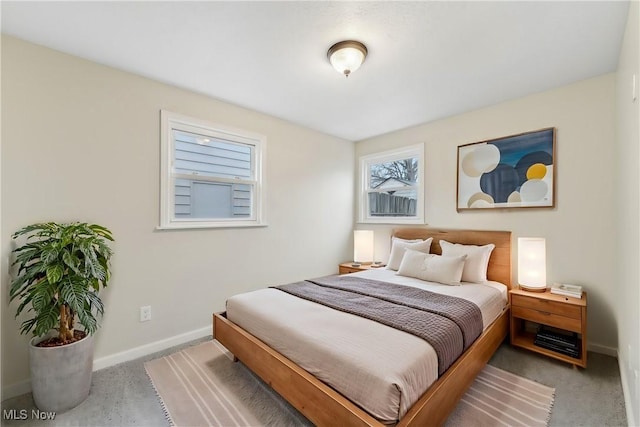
x=398, y=246
x=475, y=267
x=432, y=268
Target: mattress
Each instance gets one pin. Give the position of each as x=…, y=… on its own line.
x=380, y=369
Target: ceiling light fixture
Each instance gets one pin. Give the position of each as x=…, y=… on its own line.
x=347, y=56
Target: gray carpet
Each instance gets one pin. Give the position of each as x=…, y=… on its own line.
x=123, y=396
x=584, y=397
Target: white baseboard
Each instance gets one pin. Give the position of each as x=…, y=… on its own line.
x=23, y=387
x=626, y=392
x=603, y=349
x=143, y=350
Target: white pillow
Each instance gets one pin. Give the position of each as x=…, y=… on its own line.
x=398, y=246
x=432, y=268
x=475, y=267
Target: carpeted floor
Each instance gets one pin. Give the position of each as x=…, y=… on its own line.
x=123, y=395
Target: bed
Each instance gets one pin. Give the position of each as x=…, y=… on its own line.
x=321, y=403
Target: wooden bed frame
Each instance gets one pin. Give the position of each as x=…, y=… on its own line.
x=324, y=406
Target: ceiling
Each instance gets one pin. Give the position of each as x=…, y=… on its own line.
x=427, y=60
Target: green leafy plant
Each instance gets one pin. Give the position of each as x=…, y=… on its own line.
x=60, y=270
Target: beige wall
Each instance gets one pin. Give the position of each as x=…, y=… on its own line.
x=80, y=141
x=627, y=289
x=580, y=242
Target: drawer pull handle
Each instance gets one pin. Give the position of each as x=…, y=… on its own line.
x=545, y=313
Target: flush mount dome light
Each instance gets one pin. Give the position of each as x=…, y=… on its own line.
x=347, y=56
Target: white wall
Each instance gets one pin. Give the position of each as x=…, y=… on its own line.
x=579, y=230
x=628, y=214
x=80, y=141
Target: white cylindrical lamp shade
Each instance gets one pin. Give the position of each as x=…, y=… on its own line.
x=363, y=246
x=532, y=263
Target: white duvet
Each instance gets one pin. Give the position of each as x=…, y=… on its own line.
x=381, y=369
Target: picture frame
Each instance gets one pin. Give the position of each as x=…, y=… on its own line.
x=516, y=171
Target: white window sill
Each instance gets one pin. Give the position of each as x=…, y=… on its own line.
x=392, y=221
x=201, y=226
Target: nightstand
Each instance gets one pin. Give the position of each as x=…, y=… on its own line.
x=346, y=267
x=531, y=309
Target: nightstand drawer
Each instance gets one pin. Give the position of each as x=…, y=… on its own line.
x=547, y=318
x=347, y=270
x=566, y=310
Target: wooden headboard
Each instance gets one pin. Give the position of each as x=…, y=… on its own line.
x=499, y=268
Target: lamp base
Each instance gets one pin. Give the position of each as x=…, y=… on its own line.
x=530, y=289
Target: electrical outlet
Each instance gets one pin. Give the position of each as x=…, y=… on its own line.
x=145, y=313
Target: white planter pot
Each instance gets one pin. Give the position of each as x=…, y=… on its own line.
x=61, y=376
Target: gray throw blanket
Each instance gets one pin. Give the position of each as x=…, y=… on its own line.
x=449, y=324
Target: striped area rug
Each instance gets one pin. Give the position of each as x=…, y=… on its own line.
x=500, y=398
x=201, y=386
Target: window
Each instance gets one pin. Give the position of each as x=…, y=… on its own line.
x=392, y=189
x=211, y=176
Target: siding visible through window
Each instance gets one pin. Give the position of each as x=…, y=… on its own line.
x=211, y=174
x=209, y=202
x=216, y=158
x=204, y=156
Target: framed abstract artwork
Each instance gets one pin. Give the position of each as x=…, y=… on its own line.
x=516, y=171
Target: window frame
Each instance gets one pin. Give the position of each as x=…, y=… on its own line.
x=389, y=156
x=172, y=121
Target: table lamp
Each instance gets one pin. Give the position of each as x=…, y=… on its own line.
x=532, y=264
x=362, y=247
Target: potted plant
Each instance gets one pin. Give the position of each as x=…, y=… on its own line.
x=60, y=270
